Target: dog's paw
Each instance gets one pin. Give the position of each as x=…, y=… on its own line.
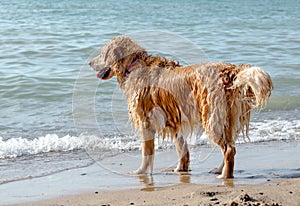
x=222, y=176
x=179, y=170
x=138, y=172
x=176, y=169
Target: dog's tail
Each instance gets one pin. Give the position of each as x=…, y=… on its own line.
x=255, y=85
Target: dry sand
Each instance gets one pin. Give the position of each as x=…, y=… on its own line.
x=272, y=192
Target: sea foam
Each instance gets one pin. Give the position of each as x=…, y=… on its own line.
x=266, y=130
x=16, y=147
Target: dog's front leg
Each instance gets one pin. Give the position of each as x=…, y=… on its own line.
x=148, y=135
x=147, y=157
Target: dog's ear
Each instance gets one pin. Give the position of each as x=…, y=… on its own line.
x=118, y=53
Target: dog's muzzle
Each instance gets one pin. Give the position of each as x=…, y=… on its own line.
x=104, y=73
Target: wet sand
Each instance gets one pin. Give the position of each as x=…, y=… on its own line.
x=265, y=173
x=275, y=192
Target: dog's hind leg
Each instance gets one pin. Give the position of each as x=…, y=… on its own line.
x=148, y=135
x=183, y=155
x=228, y=151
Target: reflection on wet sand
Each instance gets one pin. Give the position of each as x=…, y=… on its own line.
x=149, y=185
x=149, y=182
x=228, y=182
x=185, y=177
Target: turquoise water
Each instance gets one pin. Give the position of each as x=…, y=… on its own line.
x=45, y=47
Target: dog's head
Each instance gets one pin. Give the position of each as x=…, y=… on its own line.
x=117, y=57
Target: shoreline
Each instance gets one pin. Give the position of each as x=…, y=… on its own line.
x=268, y=166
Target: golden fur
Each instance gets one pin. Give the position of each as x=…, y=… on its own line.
x=167, y=99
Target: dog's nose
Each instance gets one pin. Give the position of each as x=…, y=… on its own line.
x=90, y=63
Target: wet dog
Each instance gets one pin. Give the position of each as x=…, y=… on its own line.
x=167, y=99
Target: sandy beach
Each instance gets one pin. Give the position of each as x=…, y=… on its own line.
x=275, y=192
x=266, y=173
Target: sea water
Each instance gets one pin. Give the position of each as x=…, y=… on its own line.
x=55, y=115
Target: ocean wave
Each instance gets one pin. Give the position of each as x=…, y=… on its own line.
x=265, y=130
x=270, y=130
x=283, y=102
x=17, y=147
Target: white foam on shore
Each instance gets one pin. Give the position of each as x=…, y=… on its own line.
x=266, y=130
x=275, y=130
x=16, y=147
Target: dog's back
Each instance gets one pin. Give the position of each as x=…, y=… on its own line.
x=181, y=98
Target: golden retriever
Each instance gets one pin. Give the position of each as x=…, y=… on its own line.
x=170, y=100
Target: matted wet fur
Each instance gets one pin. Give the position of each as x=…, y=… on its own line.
x=167, y=99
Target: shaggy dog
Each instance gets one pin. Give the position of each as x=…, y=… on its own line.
x=170, y=100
